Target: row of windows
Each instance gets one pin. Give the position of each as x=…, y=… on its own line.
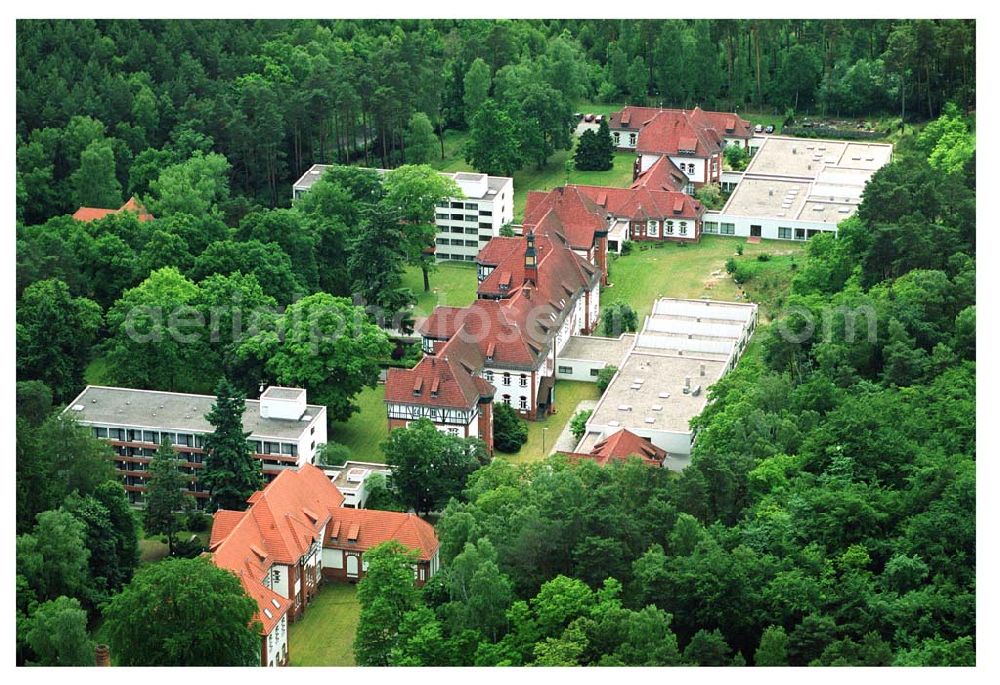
x=456, y=241
x=505, y=379
x=152, y=437
x=653, y=228
x=522, y=403
x=568, y=371
x=631, y=138
x=456, y=257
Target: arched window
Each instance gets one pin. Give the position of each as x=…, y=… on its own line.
x=524, y=380
x=506, y=400
x=506, y=378
x=669, y=228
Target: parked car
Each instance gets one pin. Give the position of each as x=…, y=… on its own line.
x=578, y=115
x=589, y=117
x=758, y=129
x=769, y=128
x=599, y=118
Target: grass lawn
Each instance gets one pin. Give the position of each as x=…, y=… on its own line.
x=325, y=634
x=366, y=429
x=452, y=283
x=692, y=271
x=568, y=395
x=151, y=549
x=554, y=175
x=529, y=178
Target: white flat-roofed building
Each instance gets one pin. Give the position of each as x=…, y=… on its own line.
x=796, y=188
x=284, y=430
x=684, y=347
x=351, y=479
x=465, y=223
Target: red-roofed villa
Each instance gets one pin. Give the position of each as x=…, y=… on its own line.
x=296, y=533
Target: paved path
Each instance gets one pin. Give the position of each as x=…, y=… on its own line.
x=566, y=442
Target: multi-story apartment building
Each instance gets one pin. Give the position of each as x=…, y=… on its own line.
x=464, y=223
x=284, y=430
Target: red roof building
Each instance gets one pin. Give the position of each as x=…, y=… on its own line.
x=692, y=139
x=88, y=214
x=289, y=539
x=621, y=445
x=535, y=291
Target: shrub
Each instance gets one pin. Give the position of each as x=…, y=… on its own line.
x=710, y=195
x=763, y=257
x=739, y=249
x=605, y=376
x=619, y=318
x=188, y=549
x=510, y=431
x=198, y=521
x=627, y=247
x=333, y=454
x=731, y=266
x=578, y=424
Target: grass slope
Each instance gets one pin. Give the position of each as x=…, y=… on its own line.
x=325, y=634
x=691, y=271
x=452, y=283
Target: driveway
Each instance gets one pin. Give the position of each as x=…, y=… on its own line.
x=566, y=442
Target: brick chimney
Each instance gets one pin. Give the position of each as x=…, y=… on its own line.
x=531, y=261
x=102, y=656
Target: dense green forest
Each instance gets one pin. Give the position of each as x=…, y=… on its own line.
x=103, y=107
x=828, y=514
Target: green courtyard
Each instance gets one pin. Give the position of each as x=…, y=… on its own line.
x=324, y=636
x=698, y=270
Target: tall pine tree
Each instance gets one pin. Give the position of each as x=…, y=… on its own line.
x=231, y=473
x=165, y=494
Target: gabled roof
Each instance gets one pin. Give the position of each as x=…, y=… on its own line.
x=662, y=175
x=445, y=379
x=579, y=217
x=621, y=445
x=94, y=213
x=643, y=202
x=362, y=529
x=277, y=528
x=680, y=131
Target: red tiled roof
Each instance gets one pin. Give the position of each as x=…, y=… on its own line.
x=646, y=203
x=445, y=379
x=369, y=527
x=620, y=446
x=94, y=213
x=662, y=175
x=579, y=216
x=275, y=529
x=680, y=131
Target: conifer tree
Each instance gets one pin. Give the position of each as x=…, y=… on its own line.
x=165, y=494
x=231, y=473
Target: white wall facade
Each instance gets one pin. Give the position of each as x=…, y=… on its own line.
x=313, y=437
x=578, y=369
x=700, y=174
x=277, y=641
x=466, y=224
x=769, y=228
x=624, y=138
